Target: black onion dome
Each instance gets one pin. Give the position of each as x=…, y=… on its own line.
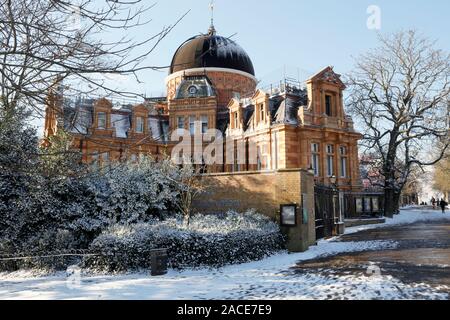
x=211, y=51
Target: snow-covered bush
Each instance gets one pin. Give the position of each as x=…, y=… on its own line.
x=18, y=178
x=209, y=241
x=49, y=203
x=35, y=207
x=134, y=192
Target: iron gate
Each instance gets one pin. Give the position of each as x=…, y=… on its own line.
x=327, y=210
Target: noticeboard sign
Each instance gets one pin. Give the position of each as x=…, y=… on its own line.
x=288, y=215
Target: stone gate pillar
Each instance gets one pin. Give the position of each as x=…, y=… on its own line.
x=297, y=220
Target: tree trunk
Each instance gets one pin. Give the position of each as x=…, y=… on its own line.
x=389, y=186
x=187, y=216
x=389, y=202
x=397, y=202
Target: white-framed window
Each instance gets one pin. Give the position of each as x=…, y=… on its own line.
x=264, y=148
x=139, y=125
x=315, y=164
x=258, y=159
x=264, y=156
x=105, y=157
x=192, y=120
x=343, y=167
x=236, y=122
x=262, y=113
x=314, y=147
x=315, y=158
x=180, y=123
x=95, y=157
x=330, y=168
x=343, y=161
x=101, y=120
x=330, y=160
x=204, y=124
x=192, y=90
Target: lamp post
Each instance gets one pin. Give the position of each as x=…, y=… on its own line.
x=339, y=225
x=333, y=181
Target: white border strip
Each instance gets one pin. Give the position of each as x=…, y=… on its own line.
x=199, y=70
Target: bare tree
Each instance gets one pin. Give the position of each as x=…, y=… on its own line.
x=46, y=42
x=188, y=183
x=399, y=95
x=190, y=187
x=441, y=181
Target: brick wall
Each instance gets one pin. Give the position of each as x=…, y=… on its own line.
x=265, y=192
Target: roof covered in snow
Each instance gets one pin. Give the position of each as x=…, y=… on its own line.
x=79, y=115
x=283, y=108
x=122, y=123
x=287, y=111
x=159, y=129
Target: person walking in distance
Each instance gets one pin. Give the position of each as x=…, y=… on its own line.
x=433, y=202
x=443, y=204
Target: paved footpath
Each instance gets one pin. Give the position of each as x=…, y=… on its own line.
x=422, y=254
x=418, y=267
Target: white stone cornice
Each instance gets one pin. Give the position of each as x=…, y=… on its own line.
x=198, y=71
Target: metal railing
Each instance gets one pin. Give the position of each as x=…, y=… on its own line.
x=287, y=85
x=36, y=260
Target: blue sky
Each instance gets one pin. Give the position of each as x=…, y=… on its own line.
x=289, y=35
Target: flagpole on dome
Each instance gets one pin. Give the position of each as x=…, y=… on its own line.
x=212, y=29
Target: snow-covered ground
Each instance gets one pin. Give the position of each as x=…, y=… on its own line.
x=271, y=278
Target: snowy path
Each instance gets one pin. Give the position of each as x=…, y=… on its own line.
x=272, y=278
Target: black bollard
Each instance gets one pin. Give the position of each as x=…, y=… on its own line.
x=159, y=260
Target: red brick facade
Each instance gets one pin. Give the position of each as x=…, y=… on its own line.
x=291, y=128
